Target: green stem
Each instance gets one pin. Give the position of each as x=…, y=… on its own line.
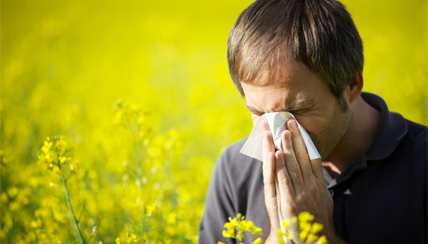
x=139, y=159
x=67, y=196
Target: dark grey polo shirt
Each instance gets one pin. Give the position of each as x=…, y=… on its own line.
x=381, y=198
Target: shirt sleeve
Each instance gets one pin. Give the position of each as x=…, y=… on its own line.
x=218, y=205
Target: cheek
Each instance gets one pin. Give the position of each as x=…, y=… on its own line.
x=310, y=123
x=314, y=125
x=254, y=118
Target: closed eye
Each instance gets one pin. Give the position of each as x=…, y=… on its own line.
x=299, y=111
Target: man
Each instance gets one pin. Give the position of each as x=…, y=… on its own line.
x=370, y=185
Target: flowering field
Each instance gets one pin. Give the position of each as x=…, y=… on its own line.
x=137, y=103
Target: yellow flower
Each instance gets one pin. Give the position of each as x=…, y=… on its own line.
x=219, y=242
x=13, y=191
x=64, y=159
x=236, y=227
x=150, y=209
x=286, y=224
x=258, y=241
x=61, y=144
x=49, y=167
x=229, y=225
x=233, y=222
x=281, y=235
x=303, y=235
x=289, y=235
x=242, y=225
x=229, y=233
x=75, y=167
x=41, y=158
x=132, y=238
x=312, y=238
x=305, y=226
x=118, y=241
x=316, y=227
x=257, y=232
x=240, y=234
x=4, y=198
x=294, y=219
x=250, y=226
x=47, y=146
x=322, y=240
x=305, y=216
x=141, y=120
x=50, y=157
x=118, y=118
x=307, y=232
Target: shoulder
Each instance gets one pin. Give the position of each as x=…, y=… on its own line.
x=416, y=136
x=231, y=155
x=235, y=164
x=416, y=141
x=417, y=132
x=411, y=152
x=232, y=152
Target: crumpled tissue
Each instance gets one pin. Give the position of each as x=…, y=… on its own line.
x=254, y=144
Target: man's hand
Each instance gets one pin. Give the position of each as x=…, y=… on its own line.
x=300, y=182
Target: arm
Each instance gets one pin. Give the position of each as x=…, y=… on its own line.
x=218, y=205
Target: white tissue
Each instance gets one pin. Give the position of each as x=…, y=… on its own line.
x=254, y=144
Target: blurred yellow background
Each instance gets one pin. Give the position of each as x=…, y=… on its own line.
x=64, y=64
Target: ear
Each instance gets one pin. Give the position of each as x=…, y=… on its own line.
x=355, y=87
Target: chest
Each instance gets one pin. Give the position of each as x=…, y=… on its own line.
x=379, y=204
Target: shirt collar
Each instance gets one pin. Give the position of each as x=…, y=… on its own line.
x=391, y=131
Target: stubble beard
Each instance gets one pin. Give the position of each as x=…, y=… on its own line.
x=331, y=135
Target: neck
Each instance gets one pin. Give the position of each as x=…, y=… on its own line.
x=357, y=140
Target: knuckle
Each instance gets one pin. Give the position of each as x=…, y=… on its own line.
x=284, y=180
x=288, y=154
x=267, y=181
x=301, y=197
x=271, y=205
x=312, y=188
x=288, y=146
x=296, y=133
x=294, y=168
x=303, y=154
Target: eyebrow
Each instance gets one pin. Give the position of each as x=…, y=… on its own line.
x=293, y=106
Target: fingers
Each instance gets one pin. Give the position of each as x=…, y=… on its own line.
x=269, y=176
x=317, y=169
x=265, y=125
x=285, y=185
x=268, y=145
x=291, y=163
x=300, y=150
x=269, y=189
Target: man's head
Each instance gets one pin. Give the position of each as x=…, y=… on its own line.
x=318, y=33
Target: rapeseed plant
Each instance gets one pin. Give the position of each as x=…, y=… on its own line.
x=130, y=239
x=306, y=231
x=236, y=228
x=158, y=212
x=55, y=157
